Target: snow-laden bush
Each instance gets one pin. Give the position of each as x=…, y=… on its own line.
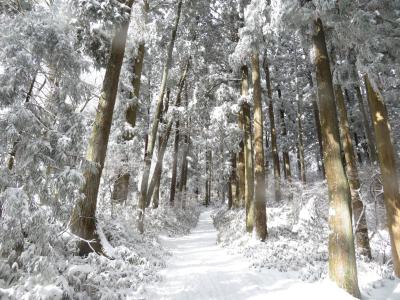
x=297, y=239
x=46, y=268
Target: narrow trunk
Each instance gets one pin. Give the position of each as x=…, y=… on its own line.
x=230, y=194
x=387, y=162
x=260, y=215
x=342, y=260
x=174, y=164
x=356, y=139
x=184, y=166
x=154, y=126
x=163, y=145
x=156, y=194
x=274, y=144
x=130, y=113
x=160, y=156
x=285, y=154
x=319, y=134
x=208, y=180
x=154, y=183
x=300, y=142
x=367, y=127
x=182, y=182
x=83, y=219
x=361, y=229
x=248, y=154
x=233, y=182
x=240, y=163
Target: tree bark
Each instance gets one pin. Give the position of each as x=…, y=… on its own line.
x=361, y=229
x=285, y=154
x=184, y=166
x=160, y=157
x=154, y=183
x=163, y=145
x=121, y=185
x=300, y=141
x=209, y=175
x=367, y=127
x=154, y=126
x=342, y=261
x=233, y=182
x=248, y=154
x=130, y=113
x=260, y=214
x=83, y=219
x=387, y=162
x=319, y=134
x=274, y=144
x=240, y=163
x=174, y=164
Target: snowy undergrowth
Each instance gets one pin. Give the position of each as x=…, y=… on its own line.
x=296, y=231
x=297, y=239
x=59, y=274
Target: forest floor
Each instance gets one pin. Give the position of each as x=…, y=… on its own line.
x=201, y=269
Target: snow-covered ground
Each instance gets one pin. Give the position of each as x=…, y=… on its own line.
x=202, y=269
x=215, y=260
x=297, y=242
x=60, y=274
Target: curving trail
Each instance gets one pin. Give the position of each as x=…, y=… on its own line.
x=200, y=269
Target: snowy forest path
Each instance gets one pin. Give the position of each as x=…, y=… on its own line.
x=201, y=269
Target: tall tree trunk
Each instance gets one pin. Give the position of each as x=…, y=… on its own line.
x=154, y=182
x=230, y=194
x=361, y=231
x=319, y=134
x=163, y=146
x=130, y=113
x=174, y=164
x=154, y=126
x=121, y=185
x=83, y=219
x=184, y=166
x=300, y=141
x=260, y=214
x=317, y=120
x=160, y=154
x=367, y=127
x=274, y=144
x=241, y=163
x=233, y=181
x=248, y=154
x=120, y=189
x=356, y=139
x=342, y=260
x=266, y=151
x=387, y=162
x=285, y=154
x=209, y=175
